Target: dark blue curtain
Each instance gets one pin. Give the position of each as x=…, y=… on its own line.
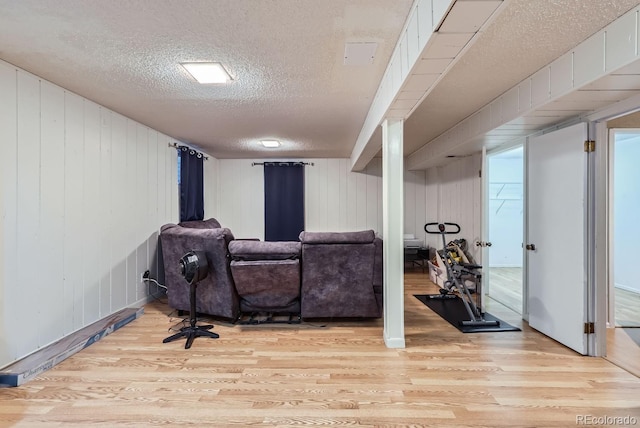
x=283, y=200
x=191, y=185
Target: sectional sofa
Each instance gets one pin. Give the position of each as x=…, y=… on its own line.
x=323, y=275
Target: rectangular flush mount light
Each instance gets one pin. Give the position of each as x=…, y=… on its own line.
x=272, y=144
x=207, y=72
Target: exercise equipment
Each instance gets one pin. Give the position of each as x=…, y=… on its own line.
x=459, y=271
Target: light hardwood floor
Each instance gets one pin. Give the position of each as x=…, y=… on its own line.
x=505, y=286
x=324, y=374
x=627, y=308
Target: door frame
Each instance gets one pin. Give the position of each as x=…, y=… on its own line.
x=598, y=124
x=485, y=217
x=611, y=310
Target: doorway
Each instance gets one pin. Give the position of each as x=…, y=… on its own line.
x=624, y=289
x=503, y=281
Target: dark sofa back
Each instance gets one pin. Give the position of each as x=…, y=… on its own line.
x=338, y=274
x=216, y=294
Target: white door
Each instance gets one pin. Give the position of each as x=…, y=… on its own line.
x=557, y=283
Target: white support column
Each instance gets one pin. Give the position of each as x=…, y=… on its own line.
x=393, y=230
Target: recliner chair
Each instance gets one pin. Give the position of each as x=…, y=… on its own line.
x=216, y=294
x=341, y=274
x=267, y=276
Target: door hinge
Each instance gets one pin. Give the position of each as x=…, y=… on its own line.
x=589, y=146
x=589, y=328
x=479, y=173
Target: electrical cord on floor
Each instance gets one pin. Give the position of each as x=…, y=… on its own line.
x=155, y=282
x=157, y=297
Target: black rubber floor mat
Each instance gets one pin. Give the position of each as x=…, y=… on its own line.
x=453, y=311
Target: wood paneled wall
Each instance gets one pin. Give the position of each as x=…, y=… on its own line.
x=336, y=199
x=454, y=194
x=84, y=192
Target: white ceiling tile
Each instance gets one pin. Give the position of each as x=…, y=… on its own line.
x=616, y=82
x=467, y=16
x=420, y=82
x=403, y=104
x=410, y=95
x=446, y=45
x=432, y=66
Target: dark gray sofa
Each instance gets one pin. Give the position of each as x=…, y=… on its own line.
x=215, y=295
x=266, y=275
x=325, y=275
x=341, y=274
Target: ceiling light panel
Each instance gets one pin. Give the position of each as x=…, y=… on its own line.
x=270, y=144
x=207, y=72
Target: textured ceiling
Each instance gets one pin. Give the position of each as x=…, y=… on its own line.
x=286, y=57
x=524, y=37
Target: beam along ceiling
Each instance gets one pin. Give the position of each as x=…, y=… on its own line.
x=526, y=36
x=291, y=80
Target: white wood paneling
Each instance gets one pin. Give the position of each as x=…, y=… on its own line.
x=84, y=192
x=453, y=194
x=9, y=292
x=241, y=197
x=93, y=211
x=28, y=215
x=415, y=204
x=211, y=167
x=142, y=168
x=432, y=209
x=104, y=232
x=51, y=264
x=621, y=41
x=424, y=12
x=561, y=75
x=336, y=199
x=118, y=204
x=539, y=88
x=74, y=214
x=152, y=207
x=132, y=200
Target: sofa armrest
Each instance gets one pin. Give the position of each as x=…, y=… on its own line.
x=216, y=293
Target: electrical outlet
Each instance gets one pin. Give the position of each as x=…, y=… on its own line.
x=144, y=276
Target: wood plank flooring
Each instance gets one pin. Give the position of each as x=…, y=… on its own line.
x=627, y=308
x=505, y=286
x=623, y=351
x=324, y=374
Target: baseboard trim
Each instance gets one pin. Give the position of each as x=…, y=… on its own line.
x=394, y=342
x=42, y=360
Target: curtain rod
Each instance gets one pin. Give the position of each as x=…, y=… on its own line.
x=299, y=163
x=177, y=147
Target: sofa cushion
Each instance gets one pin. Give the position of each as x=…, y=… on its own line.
x=264, y=250
x=272, y=285
x=361, y=237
